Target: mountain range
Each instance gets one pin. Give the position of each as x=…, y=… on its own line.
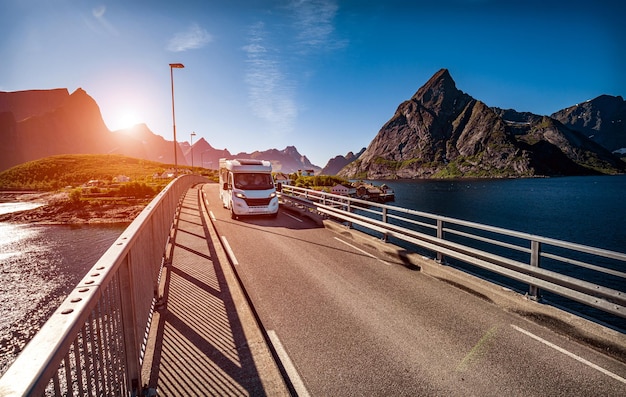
x=39, y=123
x=443, y=132
x=439, y=132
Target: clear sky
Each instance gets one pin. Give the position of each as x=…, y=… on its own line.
x=321, y=75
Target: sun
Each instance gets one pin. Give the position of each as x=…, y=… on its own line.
x=127, y=118
x=124, y=118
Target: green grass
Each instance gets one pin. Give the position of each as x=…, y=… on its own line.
x=57, y=172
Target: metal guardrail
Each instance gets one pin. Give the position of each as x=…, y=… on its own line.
x=540, y=262
x=93, y=344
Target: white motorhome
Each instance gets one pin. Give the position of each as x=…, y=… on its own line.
x=247, y=187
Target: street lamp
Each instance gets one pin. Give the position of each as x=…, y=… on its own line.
x=172, y=67
x=192, y=135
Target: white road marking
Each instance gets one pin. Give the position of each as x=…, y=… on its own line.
x=293, y=217
x=570, y=354
x=292, y=373
x=363, y=252
x=212, y=216
x=229, y=251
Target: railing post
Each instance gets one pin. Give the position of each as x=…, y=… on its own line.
x=131, y=344
x=535, y=249
x=385, y=235
x=440, y=236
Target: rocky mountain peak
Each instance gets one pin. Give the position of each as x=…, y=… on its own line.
x=602, y=119
x=25, y=104
x=440, y=93
x=442, y=132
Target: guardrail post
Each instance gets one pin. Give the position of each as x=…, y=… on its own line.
x=131, y=344
x=440, y=236
x=385, y=235
x=535, y=249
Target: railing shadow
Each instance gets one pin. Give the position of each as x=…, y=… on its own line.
x=200, y=346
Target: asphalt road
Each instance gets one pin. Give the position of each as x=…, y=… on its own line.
x=348, y=321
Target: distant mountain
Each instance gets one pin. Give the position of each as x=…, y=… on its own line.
x=444, y=132
x=288, y=160
x=439, y=132
x=25, y=104
x=41, y=123
x=335, y=164
x=57, y=123
x=204, y=155
x=140, y=142
x=603, y=120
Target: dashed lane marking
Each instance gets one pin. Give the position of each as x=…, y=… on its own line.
x=229, y=251
x=293, y=217
x=570, y=354
x=362, y=251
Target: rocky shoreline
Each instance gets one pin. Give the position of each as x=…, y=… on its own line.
x=56, y=209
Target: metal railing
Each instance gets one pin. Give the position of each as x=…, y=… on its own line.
x=541, y=263
x=93, y=344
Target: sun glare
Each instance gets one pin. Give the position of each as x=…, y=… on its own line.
x=125, y=118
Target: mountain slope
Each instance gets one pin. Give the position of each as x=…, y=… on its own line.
x=602, y=119
x=335, y=164
x=443, y=132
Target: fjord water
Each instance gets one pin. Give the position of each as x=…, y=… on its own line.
x=586, y=210
x=39, y=265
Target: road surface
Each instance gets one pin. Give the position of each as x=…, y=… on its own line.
x=348, y=321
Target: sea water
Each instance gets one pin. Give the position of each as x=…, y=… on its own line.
x=585, y=210
x=39, y=265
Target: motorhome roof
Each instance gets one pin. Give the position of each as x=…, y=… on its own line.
x=243, y=165
x=249, y=161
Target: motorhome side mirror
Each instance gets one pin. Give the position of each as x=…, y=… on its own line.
x=225, y=187
x=279, y=186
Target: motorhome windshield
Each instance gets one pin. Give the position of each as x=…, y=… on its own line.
x=253, y=181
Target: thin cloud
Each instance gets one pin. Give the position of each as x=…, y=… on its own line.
x=99, y=14
x=193, y=38
x=270, y=94
x=313, y=21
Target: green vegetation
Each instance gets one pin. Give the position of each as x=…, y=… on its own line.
x=394, y=164
x=62, y=171
x=320, y=182
x=450, y=171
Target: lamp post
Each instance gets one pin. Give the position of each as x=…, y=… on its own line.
x=172, y=67
x=192, y=135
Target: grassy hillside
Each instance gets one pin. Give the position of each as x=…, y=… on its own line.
x=57, y=172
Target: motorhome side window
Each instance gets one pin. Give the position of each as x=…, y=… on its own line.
x=253, y=181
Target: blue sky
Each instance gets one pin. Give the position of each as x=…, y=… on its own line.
x=322, y=75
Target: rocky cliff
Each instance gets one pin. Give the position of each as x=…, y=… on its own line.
x=444, y=132
x=602, y=119
x=335, y=164
x=24, y=104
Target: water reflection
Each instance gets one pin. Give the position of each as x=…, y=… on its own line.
x=7, y=208
x=39, y=265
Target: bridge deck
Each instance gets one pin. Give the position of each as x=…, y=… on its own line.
x=204, y=339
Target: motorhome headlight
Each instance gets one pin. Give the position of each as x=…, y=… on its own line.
x=272, y=195
x=240, y=195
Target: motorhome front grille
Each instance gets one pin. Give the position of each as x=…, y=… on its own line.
x=258, y=202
